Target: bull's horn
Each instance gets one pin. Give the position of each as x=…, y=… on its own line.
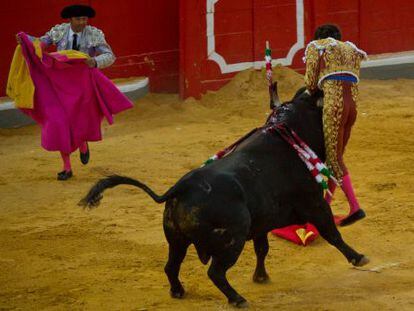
x=274, y=97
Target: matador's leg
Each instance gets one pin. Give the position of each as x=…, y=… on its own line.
x=338, y=117
x=355, y=212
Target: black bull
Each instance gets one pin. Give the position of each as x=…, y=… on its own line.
x=260, y=186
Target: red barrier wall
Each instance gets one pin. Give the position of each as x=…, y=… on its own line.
x=387, y=26
x=143, y=34
x=169, y=41
x=220, y=37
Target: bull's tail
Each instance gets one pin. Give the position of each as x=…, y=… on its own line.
x=94, y=195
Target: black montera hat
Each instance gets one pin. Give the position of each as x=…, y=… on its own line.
x=77, y=10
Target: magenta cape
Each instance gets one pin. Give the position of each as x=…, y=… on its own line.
x=70, y=99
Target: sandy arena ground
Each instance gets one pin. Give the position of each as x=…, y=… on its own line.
x=56, y=256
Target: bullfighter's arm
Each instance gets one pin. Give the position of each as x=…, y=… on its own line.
x=105, y=56
x=46, y=40
x=312, y=68
x=54, y=35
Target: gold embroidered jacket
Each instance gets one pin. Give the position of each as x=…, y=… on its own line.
x=329, y=56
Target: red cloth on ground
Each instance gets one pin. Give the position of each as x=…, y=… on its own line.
x=301, y=234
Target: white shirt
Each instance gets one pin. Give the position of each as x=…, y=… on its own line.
x=70, y=39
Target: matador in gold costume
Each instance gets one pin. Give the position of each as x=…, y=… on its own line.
x=333, y=67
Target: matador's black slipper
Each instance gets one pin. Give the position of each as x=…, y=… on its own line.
x=84, y=157
x=358, y=215
x=64, y=175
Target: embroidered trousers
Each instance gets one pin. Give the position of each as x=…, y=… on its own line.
x=339, y=115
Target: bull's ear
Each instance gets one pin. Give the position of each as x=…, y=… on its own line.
x=274, y=97
x=319, y=93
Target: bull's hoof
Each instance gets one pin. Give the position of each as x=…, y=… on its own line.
x=261, y=279
x=361, y=262
x=177, y=294
x=241, y=303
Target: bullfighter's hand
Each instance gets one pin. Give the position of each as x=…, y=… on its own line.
x=91, y=62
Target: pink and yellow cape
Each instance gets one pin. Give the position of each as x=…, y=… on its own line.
x=62, y=94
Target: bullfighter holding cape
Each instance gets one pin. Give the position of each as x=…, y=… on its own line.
x=64, y=91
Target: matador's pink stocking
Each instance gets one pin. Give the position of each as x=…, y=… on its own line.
x=350, y=194
x=66, y=161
